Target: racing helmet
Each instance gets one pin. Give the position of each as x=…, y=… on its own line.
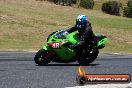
x=81, y=20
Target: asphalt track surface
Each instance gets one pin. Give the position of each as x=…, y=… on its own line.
x=18, y=70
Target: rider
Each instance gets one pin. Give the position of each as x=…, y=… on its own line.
x=85, y=32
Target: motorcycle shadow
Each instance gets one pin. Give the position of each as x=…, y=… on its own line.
x=68, y=65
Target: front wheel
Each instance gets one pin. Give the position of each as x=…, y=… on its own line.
x=40, y=57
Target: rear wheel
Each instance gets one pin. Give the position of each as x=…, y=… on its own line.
x=84, y=61
x=91, y=56
x=40, y=57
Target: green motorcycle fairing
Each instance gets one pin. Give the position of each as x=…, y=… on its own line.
x=64, y=53
x=101, y=41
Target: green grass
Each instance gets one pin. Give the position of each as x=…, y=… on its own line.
x=25, y=26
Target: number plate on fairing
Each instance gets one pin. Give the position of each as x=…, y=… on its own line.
x=55, y=44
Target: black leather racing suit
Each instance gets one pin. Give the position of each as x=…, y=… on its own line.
x=86, y=34
x=86, y=37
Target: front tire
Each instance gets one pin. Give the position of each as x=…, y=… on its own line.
x=40, y=57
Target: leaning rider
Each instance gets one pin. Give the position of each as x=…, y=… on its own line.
x=86, y=35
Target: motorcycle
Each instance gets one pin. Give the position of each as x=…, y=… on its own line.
x=57, y=49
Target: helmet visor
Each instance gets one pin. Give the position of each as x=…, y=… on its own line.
x=79, y=24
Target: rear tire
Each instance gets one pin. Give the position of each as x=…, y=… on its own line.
x=93, y=55
x=89, y=59
x=84, y=61
x=40, y=57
